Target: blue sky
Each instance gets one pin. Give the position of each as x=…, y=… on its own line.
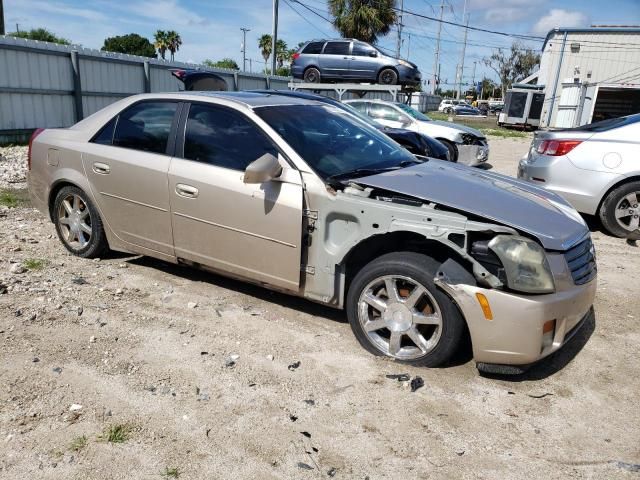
x=211, y=28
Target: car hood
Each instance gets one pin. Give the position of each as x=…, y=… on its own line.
x=496, y=197
x=456, y=126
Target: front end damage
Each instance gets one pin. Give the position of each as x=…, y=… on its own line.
x=472, y=150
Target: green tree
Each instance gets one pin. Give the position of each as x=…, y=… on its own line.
x=264, y=44
x=41, y=34
x=282, y=52
x=133, y=44
x=229, y=63
x=161, y=42
x=174, y=41
x=510, y=66
x=283, y=71
x=363, y=19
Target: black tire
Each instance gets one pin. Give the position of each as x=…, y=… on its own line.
x=388, y=76
x=453, y=150
x=422, y=270
x=312, y=75
x=619, y=198
x=97, y=244
x=448, y=110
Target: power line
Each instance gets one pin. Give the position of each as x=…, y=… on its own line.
x=306, y=19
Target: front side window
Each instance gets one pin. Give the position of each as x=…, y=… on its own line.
x=384, y=112
x=145, y=126
x=223, y=137
x=332, y=141
x=359, y=106
x=336, y=48
x=313, y=48
x=363, y=50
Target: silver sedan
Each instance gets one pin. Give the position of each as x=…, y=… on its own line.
x=595, y=167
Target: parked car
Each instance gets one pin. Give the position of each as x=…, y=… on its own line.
x=594, y=167
x=496, y=106
x=299, y=196
x=416, y=143
x=448, y=104
x=466, y=145
x=198, y=80
x=467, y=111
x=351, y=60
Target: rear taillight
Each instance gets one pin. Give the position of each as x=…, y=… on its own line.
x=36, y=132
x=557, y=148
x=295, y=56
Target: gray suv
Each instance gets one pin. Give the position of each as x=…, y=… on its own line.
x=348, y=59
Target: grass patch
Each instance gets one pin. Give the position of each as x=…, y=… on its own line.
x=116, y=433
x=34, y=263
x=13, y=198
x=78, y=443
x=504, y=133
x=170, y=473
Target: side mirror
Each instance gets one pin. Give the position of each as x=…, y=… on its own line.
x=373, y=53
x=263, y=169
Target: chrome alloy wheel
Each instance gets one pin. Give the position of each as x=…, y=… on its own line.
x=74, y=218
x=400, y=317
x=627, y=212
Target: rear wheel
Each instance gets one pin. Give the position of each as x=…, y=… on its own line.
x=388, y=76
x=78, y=224
x=395, y=310
x=312, y=75
x=620, y=211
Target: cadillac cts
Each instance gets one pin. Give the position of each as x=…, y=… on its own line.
x=303, y=197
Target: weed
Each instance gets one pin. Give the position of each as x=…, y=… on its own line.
x=34, y=263
x=116, y=433
x=9, y=199
x=170, y=473
x=78, y=443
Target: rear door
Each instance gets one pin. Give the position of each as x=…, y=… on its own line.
x=335, y=58
x=127, y=165
x=253, y=231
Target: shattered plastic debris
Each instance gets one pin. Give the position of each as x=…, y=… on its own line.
x=294, y=365
x=401, y=377
x=417, y=383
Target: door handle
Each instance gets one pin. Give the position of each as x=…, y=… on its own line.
x=186, y=190
x=101, y=168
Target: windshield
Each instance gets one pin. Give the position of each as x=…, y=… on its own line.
x=413, y=112
x=332, y=141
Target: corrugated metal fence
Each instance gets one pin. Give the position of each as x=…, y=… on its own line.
x=48, y=85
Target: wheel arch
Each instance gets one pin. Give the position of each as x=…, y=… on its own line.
x=53, y=193
x=611, y=188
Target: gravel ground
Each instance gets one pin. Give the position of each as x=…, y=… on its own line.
x=129, y=367
x=13, y=167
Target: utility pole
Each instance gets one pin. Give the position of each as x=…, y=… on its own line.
x=408, y=46
x=399, y=44
x=436, y=63
x=274, y=37
x=250, y=65
x=244, y=47
x=1, y=18
x=473, y=76
x=464, y=48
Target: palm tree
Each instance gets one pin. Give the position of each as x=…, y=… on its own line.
x=264, y=44
x=173, y=42
x=363, y=19
x=282, y=53
x=161, y=43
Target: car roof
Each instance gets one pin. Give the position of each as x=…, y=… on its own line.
x=249, y=99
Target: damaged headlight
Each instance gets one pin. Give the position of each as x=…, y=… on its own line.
x=525, y=264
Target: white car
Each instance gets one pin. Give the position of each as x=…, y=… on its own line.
x=448, y=104
x=466, y=145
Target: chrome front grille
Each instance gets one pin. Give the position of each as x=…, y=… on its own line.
x=582, y=262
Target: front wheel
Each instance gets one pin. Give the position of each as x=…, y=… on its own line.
x=620, y=211
x=388, y=76
x=453, y=150
x=78, y=223
x=395, y=309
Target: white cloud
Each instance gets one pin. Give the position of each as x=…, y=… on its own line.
x=558, y=17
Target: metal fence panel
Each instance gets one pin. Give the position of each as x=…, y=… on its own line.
x=19, y=111
x=101, y=75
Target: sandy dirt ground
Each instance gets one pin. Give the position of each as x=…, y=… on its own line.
x=131, y=368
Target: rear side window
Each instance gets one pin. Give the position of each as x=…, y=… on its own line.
x=359, y=106
x=223, y=137
x=382, y=112
x=145, y=126
x=105, y=136
x=313, y=47
x=336, y=48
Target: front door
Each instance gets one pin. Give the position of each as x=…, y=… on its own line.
x=364, y=64
x=388, y=116
x=253, y=231
x=127, y=166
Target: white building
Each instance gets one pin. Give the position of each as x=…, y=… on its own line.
x=589, y=74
